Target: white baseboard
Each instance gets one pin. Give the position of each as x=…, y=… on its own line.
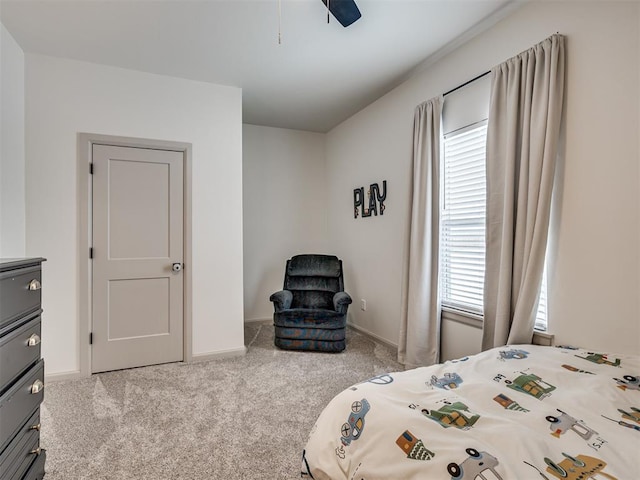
x=200, y=357
x=258, y=320
x=63, y=376
x=373, y=336
x=204, y=357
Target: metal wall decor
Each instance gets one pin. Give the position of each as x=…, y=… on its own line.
x=374, y=203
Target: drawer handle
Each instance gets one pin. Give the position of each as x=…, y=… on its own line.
x=36, y=451
x=33, y=340
x=35, y=285
x=35, y=427
x=37, y=387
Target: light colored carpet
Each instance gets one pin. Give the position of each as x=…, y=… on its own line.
x=237, y=418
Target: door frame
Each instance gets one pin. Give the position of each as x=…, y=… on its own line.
x=85, y=240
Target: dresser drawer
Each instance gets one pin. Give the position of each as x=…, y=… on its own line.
x=36, y=470
x=20, y=293
x=20, y=401
x=19, y=349
x=16, y=459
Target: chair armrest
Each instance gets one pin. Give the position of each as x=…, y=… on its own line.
x=281, y=300
x=341, y=302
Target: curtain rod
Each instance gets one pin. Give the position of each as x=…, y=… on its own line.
x=474, y=79
x=467, y=83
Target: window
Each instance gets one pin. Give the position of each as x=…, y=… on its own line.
x=462, y=228
x=541, y=316
x=462, y=237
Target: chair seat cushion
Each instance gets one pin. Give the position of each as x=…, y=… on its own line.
x=310, y=318
x=312, y=345
x=325, y=335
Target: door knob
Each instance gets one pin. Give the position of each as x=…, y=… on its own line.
x=176, y=267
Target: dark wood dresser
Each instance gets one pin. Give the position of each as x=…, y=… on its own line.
x=21, y=369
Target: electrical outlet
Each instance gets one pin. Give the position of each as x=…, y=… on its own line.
x=363, y=304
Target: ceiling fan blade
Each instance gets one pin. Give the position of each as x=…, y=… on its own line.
x=345, y=11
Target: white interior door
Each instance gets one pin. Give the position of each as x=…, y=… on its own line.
x=138, y=232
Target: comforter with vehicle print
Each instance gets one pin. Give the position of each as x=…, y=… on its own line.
x=516, y=412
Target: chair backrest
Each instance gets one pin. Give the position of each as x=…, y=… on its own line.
x=313, y=280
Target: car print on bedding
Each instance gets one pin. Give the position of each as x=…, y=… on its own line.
x=600, y=359
x=448, y=381
x=354, y=425
x=531, y=384
x=633, y=415
x=628, y=382
x=474, y=466
x=512, y=354
x=580, y=467
x=565, y=422
x=455, y=414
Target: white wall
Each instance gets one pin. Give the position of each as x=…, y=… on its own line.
x=594, y=279
x=12, y=182
x=285, y=208
x=64, y=97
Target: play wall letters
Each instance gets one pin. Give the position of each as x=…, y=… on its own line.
x=375, y=202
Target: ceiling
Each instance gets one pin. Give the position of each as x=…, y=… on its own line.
x=318, y=76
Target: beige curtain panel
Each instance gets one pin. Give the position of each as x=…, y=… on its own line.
x=419, y=342
x=525, y=112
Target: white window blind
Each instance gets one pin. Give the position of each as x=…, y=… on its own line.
x=541, y=316
x=462, y=243
x=463, y=216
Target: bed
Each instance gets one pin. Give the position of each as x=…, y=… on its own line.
x=516, y=412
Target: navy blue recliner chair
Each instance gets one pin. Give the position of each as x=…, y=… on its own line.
x=311, y=309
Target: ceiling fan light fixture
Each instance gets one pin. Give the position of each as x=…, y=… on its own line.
x=345, y=11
